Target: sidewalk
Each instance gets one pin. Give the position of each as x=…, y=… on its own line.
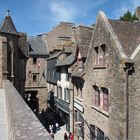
x=59, y=135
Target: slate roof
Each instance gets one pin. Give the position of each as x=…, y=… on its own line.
x=24, y=48
x=67, y=61
x=128, y=34
x=38, y=46
x=56, y=54
x=8, y=26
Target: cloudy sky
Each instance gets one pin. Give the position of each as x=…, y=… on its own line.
x=39, y=16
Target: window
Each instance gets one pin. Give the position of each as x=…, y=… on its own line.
x=80, y=64
x=96, y=55
x=100, y=59
x=105, y=99
x=34, y=60
x=67, y=95
x=97, y=134
x=97, y=96
x=59, y=91
x=34, y=78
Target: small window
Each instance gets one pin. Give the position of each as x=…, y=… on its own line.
x=100, y=55
x=34, y=60
x=67, y=95
x=96, y=96
x=59, y=91
x=34, y=78
x=105, y=99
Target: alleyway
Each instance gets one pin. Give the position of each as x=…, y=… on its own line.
x=48, y=118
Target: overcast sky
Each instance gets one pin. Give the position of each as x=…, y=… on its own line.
x=39, y=16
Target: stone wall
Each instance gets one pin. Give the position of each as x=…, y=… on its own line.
x=3, y=58
x=134, y=101
x=40, y=85
x=22, y=122
x=112, y=77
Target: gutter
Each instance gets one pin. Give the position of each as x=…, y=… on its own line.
x=129, y=69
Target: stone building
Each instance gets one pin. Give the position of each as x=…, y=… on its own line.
x=58, y=36
x=110, y=93
x=36, y=86
x=83, y=35
x=17, y=121
x=70, y=67
x=13, y=54
x=56, y=39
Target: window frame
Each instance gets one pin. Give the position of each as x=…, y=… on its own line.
x=34, y=78
x=100, y=56
x=59, y=91
x=105, y=99
x=97, y=98
x=67, y=94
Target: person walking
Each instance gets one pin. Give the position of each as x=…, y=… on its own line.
x=71, y=137
x=65, y=136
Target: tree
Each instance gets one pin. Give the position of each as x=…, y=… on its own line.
x=128, y=16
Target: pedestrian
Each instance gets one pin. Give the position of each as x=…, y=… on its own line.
x=52, y=134
x=65, y=136
x=71, y=137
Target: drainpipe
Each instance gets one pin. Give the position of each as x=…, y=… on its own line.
x=127, y=70
x=12, y=59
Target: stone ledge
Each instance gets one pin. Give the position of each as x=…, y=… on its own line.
x=22, y=122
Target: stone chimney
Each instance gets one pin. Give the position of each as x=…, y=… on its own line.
x=137, y=12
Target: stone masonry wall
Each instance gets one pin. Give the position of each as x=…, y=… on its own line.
x=134, y=101
x=3, y=55
x=111, y=77
x=40, y=85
